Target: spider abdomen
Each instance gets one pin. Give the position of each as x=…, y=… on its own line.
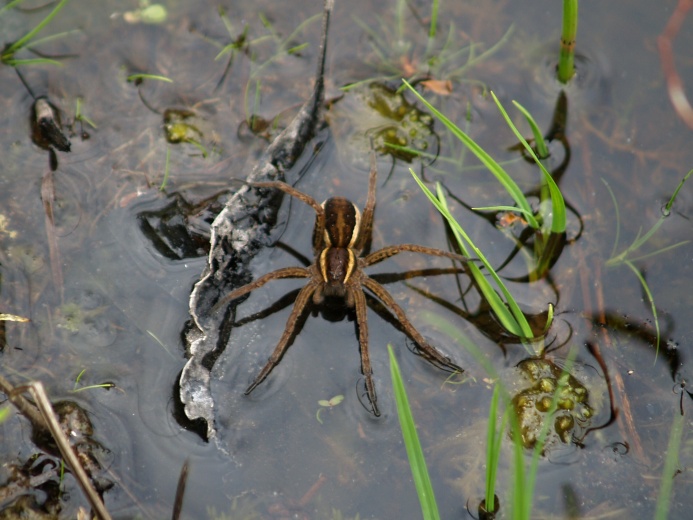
x=342, y=222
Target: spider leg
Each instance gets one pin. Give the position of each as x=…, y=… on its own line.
x=286, y=272
x=429, y=351
x=368, y=210
x=361, y=319
x=319, y=211
x=301, y=300
x=387, y=252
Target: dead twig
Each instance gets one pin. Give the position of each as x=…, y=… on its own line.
x=46, y=419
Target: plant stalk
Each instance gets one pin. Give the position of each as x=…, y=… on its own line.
x=566, y=59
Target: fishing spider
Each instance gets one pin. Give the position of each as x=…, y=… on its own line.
x=340, y=236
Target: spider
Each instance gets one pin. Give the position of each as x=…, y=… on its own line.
x=340, y=236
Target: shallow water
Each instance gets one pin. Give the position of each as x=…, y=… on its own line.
x=127, y=262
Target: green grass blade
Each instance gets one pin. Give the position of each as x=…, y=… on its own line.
x=433, y=27
x=521, y=327
x=510, y=316
x=641, y=240
x=670, y=464
x=505, y=317
x=659, y=251
x=9, y=6
x=32, y=61
x=28, y=36
x=52, y=37
x=155, y=77
x=506, y=181
x=617, y=215
x=493, y=441
x=559, y=218
x=542, y=148
x=650, y=299
x=419, y=471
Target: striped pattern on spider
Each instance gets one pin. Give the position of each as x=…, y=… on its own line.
x=340, y=236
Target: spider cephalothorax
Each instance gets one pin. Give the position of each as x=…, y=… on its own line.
x=340, y=236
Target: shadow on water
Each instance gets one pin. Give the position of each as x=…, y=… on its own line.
x=100, y=248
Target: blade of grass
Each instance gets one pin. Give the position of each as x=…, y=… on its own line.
x=506, y=318
x=434, y=20
x=510, y=316
x=640, y=241
x=133, y=77
x=650, y=299
x=559, y=218
x=617, y=214
x=417, y=462
x=22, y=42
x=493, y=444
x=506, y=181
x=542, y=148
x=10, y=5
x=32, y=61
x=669, y=471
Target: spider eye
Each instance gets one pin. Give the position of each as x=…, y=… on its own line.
x=342, y=220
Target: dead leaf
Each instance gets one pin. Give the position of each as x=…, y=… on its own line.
x=438, y=86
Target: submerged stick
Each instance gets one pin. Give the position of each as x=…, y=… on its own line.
x=238, y=233
x=42, y=417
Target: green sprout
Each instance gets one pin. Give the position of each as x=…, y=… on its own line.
x=328, y=404
x=76, y=388
x=79, y=116
x=135, y=78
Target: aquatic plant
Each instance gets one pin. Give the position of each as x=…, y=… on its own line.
x=490, y=505
x=566, y=58
x=7, y=56
x=417, y=461
x=671, y=460
x=423, y=54
x=627, y=257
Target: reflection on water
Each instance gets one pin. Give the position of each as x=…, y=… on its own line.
x=128, y=255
